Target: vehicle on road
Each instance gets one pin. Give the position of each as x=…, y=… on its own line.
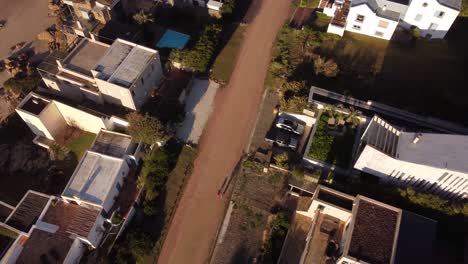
x=290, y=124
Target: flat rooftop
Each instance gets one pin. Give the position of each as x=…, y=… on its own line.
x=34, y=105
x=436, y=150
x=112, y=143
x=7, y=238
x=45, y=247
x=27, y=211
x=72, y=218
x=84, y=56
x=123, y=63
x=93, y=178
x=373, y=222
x=327, y=230
x=296, y=239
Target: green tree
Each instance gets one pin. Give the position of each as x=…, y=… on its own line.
x=142, y=18
x=294, y=104
x=22, y=85
x=153, y=177
x=199, y=57
x=146, y=128
x=134, y=247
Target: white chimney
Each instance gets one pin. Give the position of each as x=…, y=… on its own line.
x=384, y=8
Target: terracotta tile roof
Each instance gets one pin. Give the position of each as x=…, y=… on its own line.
x=45, y=247
x=72, y=218
x=373, y=223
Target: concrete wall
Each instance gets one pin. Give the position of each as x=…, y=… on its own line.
x=96, y=234
x=405, y=173
x=78, y=118
x=53, y=120
x=109, y=201
x=35, y=124
x=74, y=254
x=334, y=211
x=115, y=94
x=428, y=16
x=370, y=25
x=151, y=77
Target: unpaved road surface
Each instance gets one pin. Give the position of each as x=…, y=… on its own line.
x=193, y=230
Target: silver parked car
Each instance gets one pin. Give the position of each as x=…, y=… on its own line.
x=290, y=125
x=287, y=140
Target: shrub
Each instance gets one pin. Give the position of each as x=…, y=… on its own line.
x=199, y=57
x=328, y=68
x=298, y=173
x=22, y=85
x=134, y=247
x=228, y=8
x=295, y=104
x=146, y=128
x=281, y=159
x=415, y=32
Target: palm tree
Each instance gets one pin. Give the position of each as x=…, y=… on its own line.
x=353, y=117
x=142, y=18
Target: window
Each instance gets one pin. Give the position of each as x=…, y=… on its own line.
x=133, y=93
x=433, y=26
x=356, y=27
x=424, y=4
x=142, y=81
x=439, y=14
x=418, y=17
x=383, y=24
x=360, y=18
x=379, y=34
x=152, y=67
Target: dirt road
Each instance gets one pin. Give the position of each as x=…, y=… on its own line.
x=193, y=230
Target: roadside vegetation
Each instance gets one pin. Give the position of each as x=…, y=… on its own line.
x=226, y=61
x=164, y=173
x=145, y=128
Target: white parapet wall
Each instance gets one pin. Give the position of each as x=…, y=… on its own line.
x=335, y=30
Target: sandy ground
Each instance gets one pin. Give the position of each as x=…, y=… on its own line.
x=193, y=231
x=25, y=19
x=198, y=107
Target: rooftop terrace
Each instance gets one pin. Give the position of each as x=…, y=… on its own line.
x=27, y=211
x=123, y=63
x=34, y=105
x=84, y=56
x=93, y=178
x=5, y=211
x=112, y=143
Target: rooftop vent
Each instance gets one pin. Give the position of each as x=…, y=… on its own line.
x=35, y=101
x=384, y=8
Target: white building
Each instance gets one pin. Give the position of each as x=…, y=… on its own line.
x=431, y=162
x=123, y=73
x=51, y=120
x=379, y=18
x=338, y=228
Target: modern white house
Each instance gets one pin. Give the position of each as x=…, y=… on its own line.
x=123, y=73
x=379, y=18
x=50, y=119
x=339, y=228
x=429, y=162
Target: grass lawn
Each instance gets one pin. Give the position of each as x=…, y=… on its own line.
x=334, y=150
x=425, y=77
x=226, y=60
x=309, y=3
x=81, y=144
